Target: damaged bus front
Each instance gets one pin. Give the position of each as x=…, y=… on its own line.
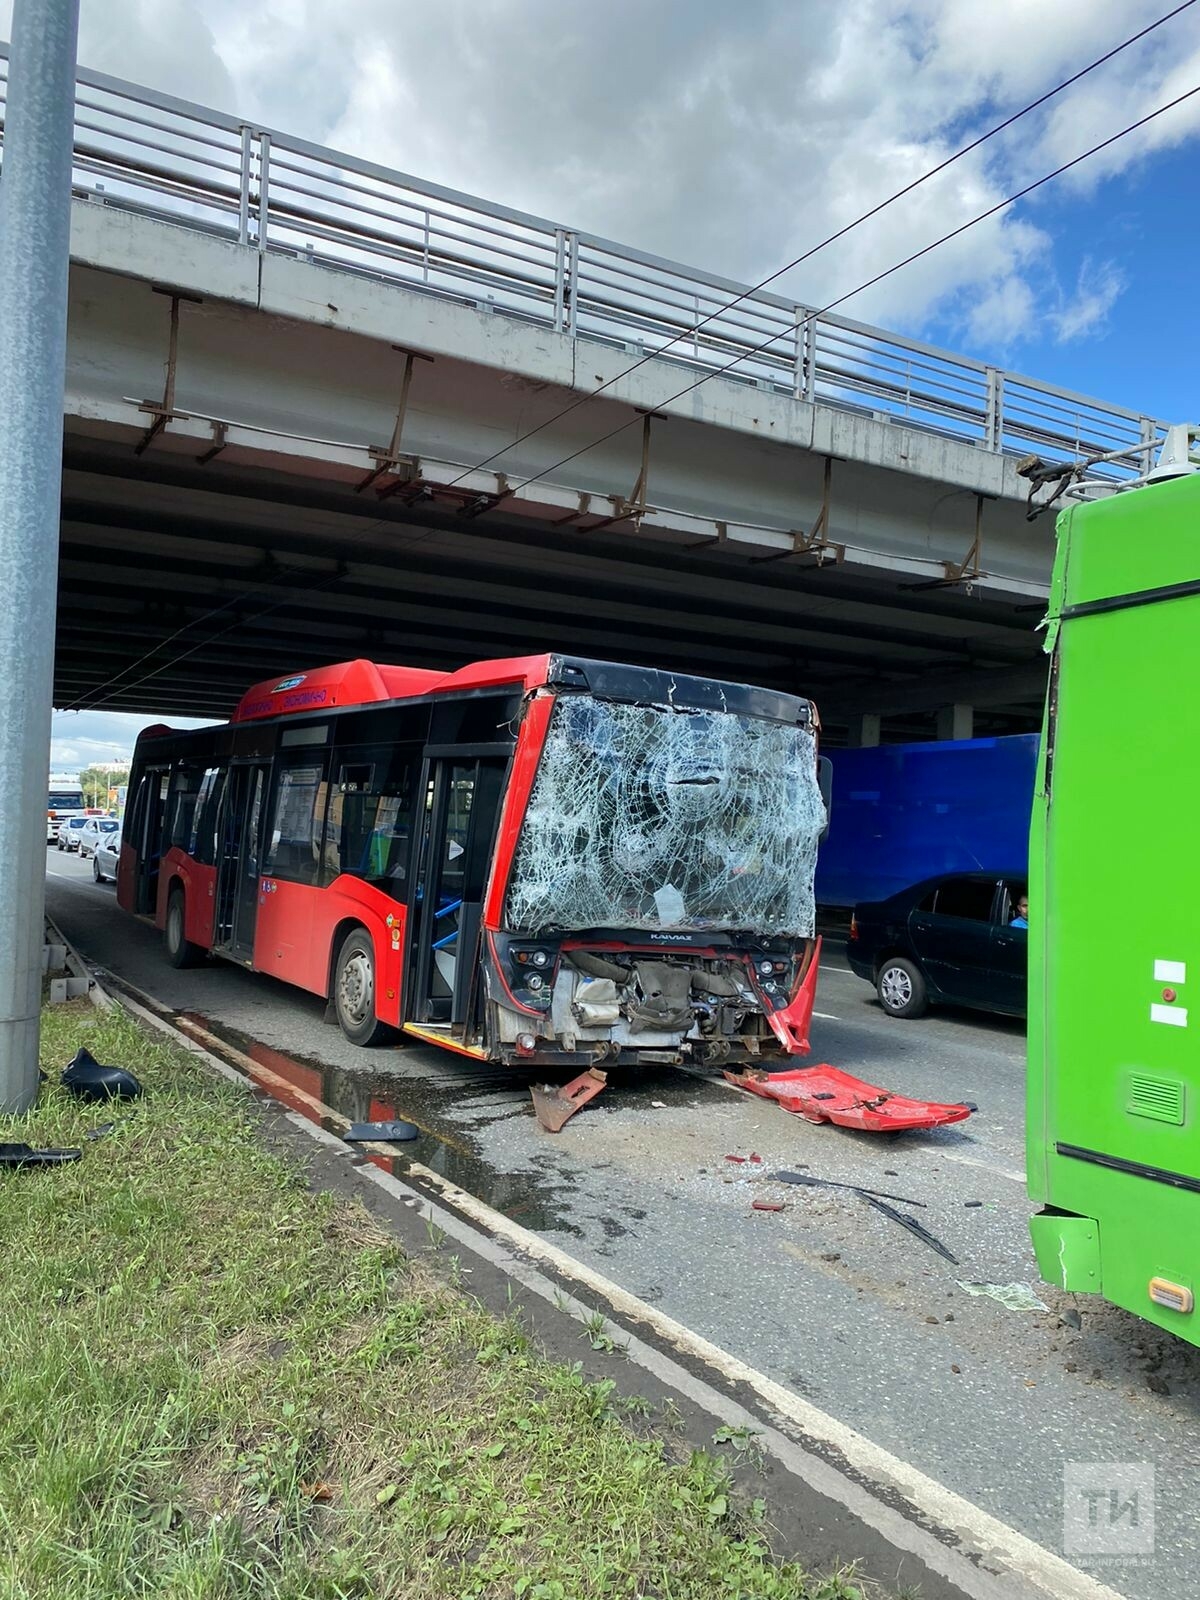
x=655, y=899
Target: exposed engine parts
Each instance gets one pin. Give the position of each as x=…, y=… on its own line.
x=605, y=1005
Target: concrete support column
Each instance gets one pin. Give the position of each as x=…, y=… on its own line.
x=864, y=730
x=35, y=222
x=956, y=722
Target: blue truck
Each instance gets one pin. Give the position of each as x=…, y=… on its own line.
x=905, y=812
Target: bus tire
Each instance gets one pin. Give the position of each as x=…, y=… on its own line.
x=181, y=952
x=901, y=987
x=354, y=990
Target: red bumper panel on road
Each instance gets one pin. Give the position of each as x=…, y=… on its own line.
x=825, y=1094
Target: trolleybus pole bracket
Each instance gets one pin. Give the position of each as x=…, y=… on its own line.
x=816, y=542
x=388, y=458
x=164, y=410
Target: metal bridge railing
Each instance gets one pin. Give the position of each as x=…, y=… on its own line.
x=268, y=191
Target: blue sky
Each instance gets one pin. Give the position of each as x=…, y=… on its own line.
x=1145, y=354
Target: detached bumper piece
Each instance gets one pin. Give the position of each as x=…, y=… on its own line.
x=555, y=1107
x=826, y=1094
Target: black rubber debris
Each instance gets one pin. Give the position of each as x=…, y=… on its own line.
x=913, y=1226
x=86, y=1077
x=381, y=1132
x=24, y=1155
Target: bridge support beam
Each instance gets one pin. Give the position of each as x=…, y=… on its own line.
x=865, y=730
x=956, y=722
x=35, y=214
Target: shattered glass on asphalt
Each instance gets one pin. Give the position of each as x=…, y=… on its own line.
x=648, y=818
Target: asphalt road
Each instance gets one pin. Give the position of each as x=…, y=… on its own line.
x=829, y=1297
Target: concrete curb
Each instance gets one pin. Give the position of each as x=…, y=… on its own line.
x=830, y=1488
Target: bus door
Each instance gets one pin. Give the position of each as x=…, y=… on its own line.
x=454, y=850
x=144, y=836
x=238, y=850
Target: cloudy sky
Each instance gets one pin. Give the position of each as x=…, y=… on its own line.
x=736, y=135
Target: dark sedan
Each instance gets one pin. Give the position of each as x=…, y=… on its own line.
x=959, y=938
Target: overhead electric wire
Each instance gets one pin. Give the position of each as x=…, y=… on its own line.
x=833, y=238
x=869, y=283
x=147, y=677
x=715, y=372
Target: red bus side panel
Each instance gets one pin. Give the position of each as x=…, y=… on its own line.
x=199, y=892
x=283, y=934
x=297, y=925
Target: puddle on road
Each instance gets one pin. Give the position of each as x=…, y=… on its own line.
x=450, y=1106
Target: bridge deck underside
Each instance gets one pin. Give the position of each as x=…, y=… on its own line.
x=181, y=583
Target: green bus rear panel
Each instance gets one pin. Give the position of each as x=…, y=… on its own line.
x=1114, y=952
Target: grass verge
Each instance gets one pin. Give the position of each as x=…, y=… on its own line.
x=218, y=1384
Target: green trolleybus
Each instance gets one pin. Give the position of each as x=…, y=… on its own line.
x=1114, y=935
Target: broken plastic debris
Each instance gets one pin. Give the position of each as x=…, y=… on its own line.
x=24, y=1155
x=766, y=1205
x=826, y=1094
x=86, y=1077
x=103, y=1129
x=1016, y=1296
x=554, y=1107
x=741, y=1160
x=395, y=1132
x=658, y=1105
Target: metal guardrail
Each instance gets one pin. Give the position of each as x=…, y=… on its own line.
x=268, y=191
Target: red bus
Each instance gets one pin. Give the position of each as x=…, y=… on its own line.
x=545, y=859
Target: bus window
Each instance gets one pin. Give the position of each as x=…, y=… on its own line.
x=293, y=851
x=370, y=815
x=181, y=807
x=202, y=845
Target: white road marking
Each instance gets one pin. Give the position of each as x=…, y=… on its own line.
x=826, y=1016
x=1010, y=1173
x=979, y=1554
x=825, y=967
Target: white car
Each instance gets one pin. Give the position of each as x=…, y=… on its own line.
x=55, y=820
x=93, y=830
x=105, y=855
x=69, y=832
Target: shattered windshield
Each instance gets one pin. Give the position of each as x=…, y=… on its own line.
x=651, y=818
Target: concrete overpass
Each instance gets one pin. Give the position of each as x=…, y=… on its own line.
x=298, y=386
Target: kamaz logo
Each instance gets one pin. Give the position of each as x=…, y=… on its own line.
x=289, y=683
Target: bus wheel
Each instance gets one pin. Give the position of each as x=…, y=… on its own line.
x=181, y=952
x=354, y=990
x=901, y=988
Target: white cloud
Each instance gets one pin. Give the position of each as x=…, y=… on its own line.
x=1003, y=314
x=729, y=137
x=1087, y=309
